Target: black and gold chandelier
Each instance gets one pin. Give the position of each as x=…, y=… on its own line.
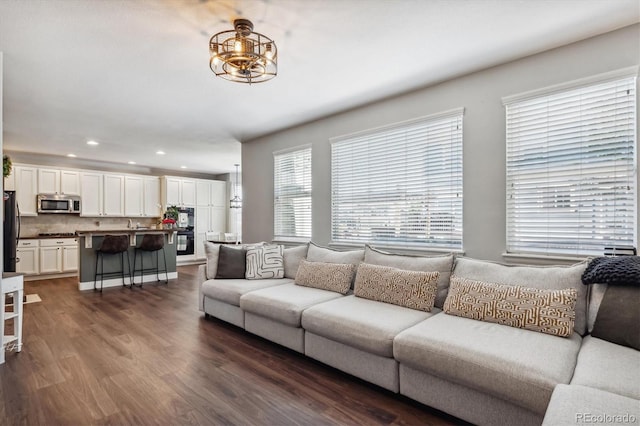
x=242, y=55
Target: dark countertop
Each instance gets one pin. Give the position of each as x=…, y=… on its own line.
x=125, y=231
x=46, y=237
x=11, y=274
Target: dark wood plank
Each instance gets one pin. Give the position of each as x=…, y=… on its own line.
x=148, y=356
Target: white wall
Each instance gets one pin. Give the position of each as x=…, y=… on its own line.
x=480, y=94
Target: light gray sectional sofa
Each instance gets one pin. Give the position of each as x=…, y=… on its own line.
x=482, y=372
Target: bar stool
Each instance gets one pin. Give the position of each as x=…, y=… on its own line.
x=112, y=244
x=150, y=243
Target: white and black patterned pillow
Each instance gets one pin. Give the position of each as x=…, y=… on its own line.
x=265, y=262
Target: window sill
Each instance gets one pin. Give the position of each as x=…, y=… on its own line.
x=397, y=249
x=542, y=259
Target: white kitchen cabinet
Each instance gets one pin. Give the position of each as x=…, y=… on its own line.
x=208, y=219
x=113, y=204
x=219, y=195
x=211, y=193
x=188, y=191
x=27, y=253
x=172, y=191
x=151, y=202
x=203, y=193
x=133, y=196
x=70, y=257
x=55, y=181
x=69, y=182
x=26, y=185
x=218, y=219
x=48, y=181
x=58, y=255
x=179, y=192
x=91, y=190
x=50, y=260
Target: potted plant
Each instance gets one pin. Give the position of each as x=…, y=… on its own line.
x=170, y=217
x=6, y=165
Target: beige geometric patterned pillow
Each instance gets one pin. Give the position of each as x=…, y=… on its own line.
x=326, y=276
x=544, y=310
x=411, y=289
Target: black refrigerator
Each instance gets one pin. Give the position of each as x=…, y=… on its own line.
x=11, y=230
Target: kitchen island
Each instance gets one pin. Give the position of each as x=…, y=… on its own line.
x=90, y=241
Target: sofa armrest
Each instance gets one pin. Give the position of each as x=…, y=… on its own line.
x=202, y=277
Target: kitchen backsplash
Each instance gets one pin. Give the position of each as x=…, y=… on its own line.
x=31, y=226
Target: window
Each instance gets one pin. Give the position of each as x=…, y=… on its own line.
x=292, y=195
x=571, y=172
x=400, y=185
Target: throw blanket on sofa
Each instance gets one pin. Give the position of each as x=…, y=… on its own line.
x=620, y=270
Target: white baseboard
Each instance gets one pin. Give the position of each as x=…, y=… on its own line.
x=117, y=282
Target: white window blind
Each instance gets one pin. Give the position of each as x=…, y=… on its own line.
x=292, y=195
x=400, y=185
x=571, y=170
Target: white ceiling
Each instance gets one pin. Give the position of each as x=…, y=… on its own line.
x=133, y=74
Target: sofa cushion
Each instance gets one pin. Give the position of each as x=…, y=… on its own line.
x=265, y=262
x=618, y=319
x=411, y=289
x=327, y=276
x=607, y=366
x=285, y=303
x=317, y=253
x=441, y=264
x=546, y=277
x=292, y=258
x=573, y=404
x=509, y=363
x=364, y=324
x=546, y=311
x=230, y=290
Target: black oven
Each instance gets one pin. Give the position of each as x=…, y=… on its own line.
x=185, y=243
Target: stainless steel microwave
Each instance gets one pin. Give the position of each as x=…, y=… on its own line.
x=56, y=203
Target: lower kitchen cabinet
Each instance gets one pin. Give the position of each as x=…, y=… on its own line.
x=50, y=260
x=47, y=256
x=28, y=253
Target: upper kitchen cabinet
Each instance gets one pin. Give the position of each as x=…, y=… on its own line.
x=26, y=184
x=113, y=195
x=142, y=196
x=151, y=202
x=211, y=193
x=203, y=193
x=133, y=196
x=102, y=194
x=219, y=195
x=178, y=191
x=55, y=181
x=91, y=190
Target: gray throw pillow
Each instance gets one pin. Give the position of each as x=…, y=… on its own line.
x=232, y=263
x=618, y=319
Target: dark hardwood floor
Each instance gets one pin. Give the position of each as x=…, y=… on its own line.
x=148, y=356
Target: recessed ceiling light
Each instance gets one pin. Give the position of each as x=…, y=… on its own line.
x=183, y=167
x=160, y=152
x=71, y=155
x=131, y=162
x=92, y=143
